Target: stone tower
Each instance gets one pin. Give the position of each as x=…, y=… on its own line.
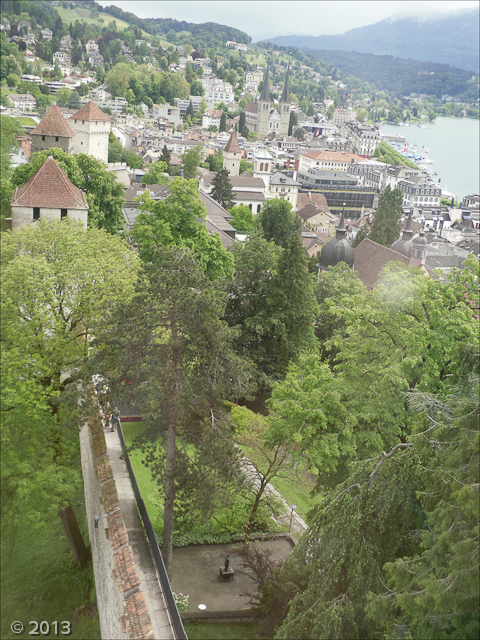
x=53, y=130
x=264, y=107
x=92, y=128
x=232, y=154
x=284, y=106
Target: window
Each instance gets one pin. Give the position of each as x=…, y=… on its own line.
x=63, y=213
x=36, y=213
x=56, y=138
x=43, y=138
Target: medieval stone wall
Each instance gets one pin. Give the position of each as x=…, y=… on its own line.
x=122, y=607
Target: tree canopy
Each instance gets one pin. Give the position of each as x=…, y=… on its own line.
x=176, y=221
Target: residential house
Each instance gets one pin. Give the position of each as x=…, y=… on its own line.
x=22, y=101
x=212, y=117
x=283, y=187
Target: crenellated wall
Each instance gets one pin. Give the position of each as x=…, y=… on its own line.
x=122, y=606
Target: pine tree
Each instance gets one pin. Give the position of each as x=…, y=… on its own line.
x=387, y=221
x=241, y=121
x=223, y=122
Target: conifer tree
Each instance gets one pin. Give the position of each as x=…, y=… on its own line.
x=387, y=221
x=223, y=122
x=222, y=189
x=241, y=121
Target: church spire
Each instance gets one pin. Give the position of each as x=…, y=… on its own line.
x=286, y=89
x=265, y=96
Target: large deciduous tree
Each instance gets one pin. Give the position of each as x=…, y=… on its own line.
x=60, y=283
x=102, y=190
x=176, y=221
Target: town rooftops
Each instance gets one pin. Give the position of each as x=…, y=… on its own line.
x=371, y=258
x=91, y=112
x=49, y=188
x=332, y=156
x=53, y=124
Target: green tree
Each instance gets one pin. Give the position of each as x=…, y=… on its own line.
x=73, y=101
x=387, y=217
x=246, y=166
x=116, y=153
x=157, y=173
x=243, y=220
x=190, y=161
x=278, y=221
x=176, y=221
x=103, y=192
x=292, y=122
x=223, y=122
x=62, y=96
x=293, y=298
x=214, y=162
x=222, y=189
x=241, y=121
x=299, y=134
x=59, y=284
x=133, y=161
x=119, y=77
x=184, y=367
x=361, y=235
x=166, y=155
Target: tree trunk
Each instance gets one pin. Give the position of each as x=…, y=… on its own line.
x=167, y=542
x=253, y=512
x=80, y=552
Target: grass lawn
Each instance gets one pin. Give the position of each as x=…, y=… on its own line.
x=27, y=122
x=41, y=582
x=221, y=630
x=80, y=13
x=147, y=486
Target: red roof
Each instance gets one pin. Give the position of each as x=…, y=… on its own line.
x=91, y=112
x=371, y=258
x=53, y=124
x=49, y=188
x=232, y=145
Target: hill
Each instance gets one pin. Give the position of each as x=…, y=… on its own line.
x=451, y=38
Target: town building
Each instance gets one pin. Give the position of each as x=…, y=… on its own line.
x=364, y=138
x=92, y=128
x=48, y=195
x=283, y=187
x=232, y=154
x=171, y=113
x=52, y=131
x=22, y=101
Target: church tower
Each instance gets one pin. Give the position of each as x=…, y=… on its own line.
x=284, y=106
x=263, y=107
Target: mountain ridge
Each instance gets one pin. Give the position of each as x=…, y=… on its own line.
x=427, y=38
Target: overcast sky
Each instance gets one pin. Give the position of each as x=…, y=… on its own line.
x=276, y=18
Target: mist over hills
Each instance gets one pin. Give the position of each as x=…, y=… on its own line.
x=446, y=38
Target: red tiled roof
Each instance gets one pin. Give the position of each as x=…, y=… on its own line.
x=232, y=145
x=90, y=111
x=49, y=188
x=53, y=124
x=371, y=258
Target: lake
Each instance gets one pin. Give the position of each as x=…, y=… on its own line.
x=454, y=147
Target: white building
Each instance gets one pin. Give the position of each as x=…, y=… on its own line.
x=22, y=100
x=171, y=113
